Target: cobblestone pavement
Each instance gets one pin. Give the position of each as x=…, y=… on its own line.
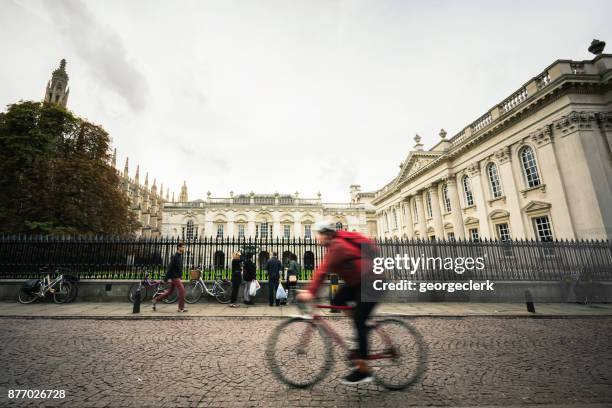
x=219, y=362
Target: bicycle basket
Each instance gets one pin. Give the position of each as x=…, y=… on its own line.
x=194, y=274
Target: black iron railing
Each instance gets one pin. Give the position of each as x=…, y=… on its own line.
x=127, y=258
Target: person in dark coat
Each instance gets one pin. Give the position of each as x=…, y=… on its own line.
x=249, y=274
x=236, y=278
x=274, y=269
x=174, y=274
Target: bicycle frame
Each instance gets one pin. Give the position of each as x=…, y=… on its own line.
x=48, y=284
x=319, y=321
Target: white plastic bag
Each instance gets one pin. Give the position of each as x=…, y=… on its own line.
x=254, y=287
x=281, y=293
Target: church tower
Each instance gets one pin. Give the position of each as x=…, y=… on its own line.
x=183, y=196
x=57, y=88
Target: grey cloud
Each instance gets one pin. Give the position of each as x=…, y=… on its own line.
x=102, y=48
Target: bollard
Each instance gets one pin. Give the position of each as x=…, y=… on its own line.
x=529, y=302
x=136, y=308
x=333, y=288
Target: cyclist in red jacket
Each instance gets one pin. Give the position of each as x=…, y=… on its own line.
x=350, y=255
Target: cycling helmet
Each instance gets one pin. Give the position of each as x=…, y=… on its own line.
x=324, y=227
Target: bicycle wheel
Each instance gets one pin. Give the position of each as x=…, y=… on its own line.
x=132, y=292
x=299, y=353
x=193, y=292
x=27, y=296
x=223, y=291
x=63, y=292
x=396, y=353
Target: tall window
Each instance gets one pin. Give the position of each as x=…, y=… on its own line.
x=286, y=231
x=473, y=233
x=467, y=190
x=386, y=222
x=542, y=228
x=446, y=199
x=307, y=231
x=503, y=232
x=339, y=226
x=241, y=230
x=220, y=229
x=394, y=218
x=415, y=210
x=189, y=230
x=450, y=236
x=263, y=230
x=530, y=168
x=496, y=190
x=429, y=210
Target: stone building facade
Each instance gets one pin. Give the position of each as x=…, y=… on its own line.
x=538, y=165
x=263, y=215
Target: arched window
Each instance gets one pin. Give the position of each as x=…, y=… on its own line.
x=496, y=190
x=429, y=209
x=530, y=168
x=446, y=199
x=394, y=218
x=415, y=210
x=189, y=230
x=467, y=190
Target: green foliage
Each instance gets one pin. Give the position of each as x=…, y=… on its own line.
x=55, y=174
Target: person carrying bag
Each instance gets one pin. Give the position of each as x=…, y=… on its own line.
x=249, y=275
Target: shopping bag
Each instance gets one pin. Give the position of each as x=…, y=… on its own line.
x=254, y=287
x=281, y=293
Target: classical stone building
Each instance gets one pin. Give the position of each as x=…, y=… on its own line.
x=263, y=215
x=538, y=165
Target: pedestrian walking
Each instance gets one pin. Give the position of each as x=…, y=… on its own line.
x=274, y=269
x=236, y=278
x=293, y=272
x=174, y=275
x=249, y=275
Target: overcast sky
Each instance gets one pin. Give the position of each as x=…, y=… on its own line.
x=285, y=95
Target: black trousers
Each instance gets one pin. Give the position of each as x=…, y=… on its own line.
x=361, y=313
x=236, y=281
x=273, y=286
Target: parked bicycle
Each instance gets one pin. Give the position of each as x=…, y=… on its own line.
x=63, y=288
x=150, y=288
x=300, y=353
x=221, y=289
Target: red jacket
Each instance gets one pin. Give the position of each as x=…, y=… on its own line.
x=344, y=257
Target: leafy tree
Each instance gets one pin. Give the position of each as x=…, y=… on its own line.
x=55, y=174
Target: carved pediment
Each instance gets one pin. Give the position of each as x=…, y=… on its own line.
x=536, y=206
x=414, y=162
x=499, y=214
x=470, y=220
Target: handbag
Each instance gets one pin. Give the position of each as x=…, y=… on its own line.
x=280, y=292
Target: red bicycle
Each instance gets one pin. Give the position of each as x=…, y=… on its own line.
x=299, y=350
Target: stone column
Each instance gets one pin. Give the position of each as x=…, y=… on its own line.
x=453, y=193
x=504, y=158
x=435, y=209
x=480, y=200
x=422, y=223
x=408, y=221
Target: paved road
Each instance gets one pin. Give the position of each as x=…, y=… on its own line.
x=218, y=362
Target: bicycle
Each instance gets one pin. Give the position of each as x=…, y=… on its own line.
x=221, y=288
x=299, y=350
x=63, y=288
x=146, y=286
